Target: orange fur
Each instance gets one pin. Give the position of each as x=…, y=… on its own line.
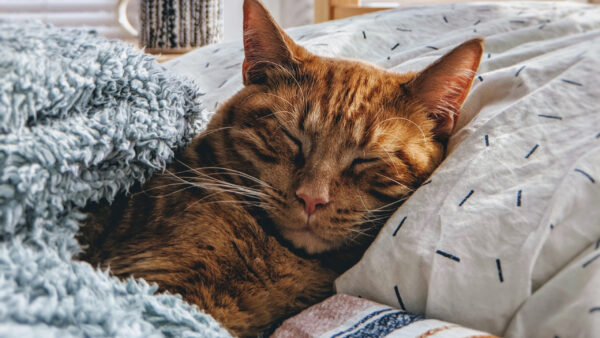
x=224, y=226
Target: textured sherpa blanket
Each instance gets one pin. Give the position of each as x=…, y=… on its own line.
x=81, y=119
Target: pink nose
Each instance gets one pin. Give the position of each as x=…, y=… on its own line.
x=312, y=200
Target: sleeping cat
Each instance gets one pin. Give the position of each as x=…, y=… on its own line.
x=290, y=182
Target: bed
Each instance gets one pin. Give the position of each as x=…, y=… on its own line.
x=502, y=239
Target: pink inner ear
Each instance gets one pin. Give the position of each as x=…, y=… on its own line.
x=444, y=85
x=446, y=97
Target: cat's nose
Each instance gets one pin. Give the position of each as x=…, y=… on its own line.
x=312, y=198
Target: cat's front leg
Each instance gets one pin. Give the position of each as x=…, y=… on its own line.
x=277, y=284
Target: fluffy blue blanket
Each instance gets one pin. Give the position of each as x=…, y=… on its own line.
x=81, y=119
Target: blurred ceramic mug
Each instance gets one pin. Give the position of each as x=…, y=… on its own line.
x=175, y=26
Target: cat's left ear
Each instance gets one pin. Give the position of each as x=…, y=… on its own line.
x=444, y=85
x=266, y=45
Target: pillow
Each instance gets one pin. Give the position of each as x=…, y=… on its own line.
x=504, y=236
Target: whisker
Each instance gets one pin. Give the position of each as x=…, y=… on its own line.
x=363, y=201
x=229, y=171
x=409, y=120
x=282, y=98
x=266, y=205
x=231, y=189
x=208, y=132
x=289, y=122
x=172, y=193
x=375, y=219
x=361, y=233
x=146, y=190
x=288, y=72
x=398, y=183
x=392, y=162
x=275, y=114
x=243, y=203
x=221, y=186
x=383, y=207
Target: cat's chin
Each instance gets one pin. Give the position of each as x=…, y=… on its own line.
x=307, y=240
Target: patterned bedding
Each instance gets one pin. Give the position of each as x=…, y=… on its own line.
x=343, y=316
x=504, y=237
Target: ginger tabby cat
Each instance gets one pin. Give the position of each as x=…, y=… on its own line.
x=291, y=181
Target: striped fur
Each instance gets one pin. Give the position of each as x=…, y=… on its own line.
x=223, y=227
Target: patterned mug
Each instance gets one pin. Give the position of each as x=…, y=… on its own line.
x=175, y=26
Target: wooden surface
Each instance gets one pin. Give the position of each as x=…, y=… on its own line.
x=167, y=57
x=326, y=10
x=161, y=57
x=340, y=12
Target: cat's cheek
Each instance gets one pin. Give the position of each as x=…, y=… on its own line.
x=286, y=217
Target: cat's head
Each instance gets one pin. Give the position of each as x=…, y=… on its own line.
x=336, y=144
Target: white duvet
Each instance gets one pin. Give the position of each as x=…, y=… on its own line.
x=505, y=235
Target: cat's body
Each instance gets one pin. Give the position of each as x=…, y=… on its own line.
x=290, y=182
x=215, y=253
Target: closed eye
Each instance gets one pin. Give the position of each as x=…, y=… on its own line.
x=295, y=140
x=299, y=157
x=358, y=161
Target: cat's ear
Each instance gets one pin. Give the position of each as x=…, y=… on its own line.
x=444, y=85
x=266, y=45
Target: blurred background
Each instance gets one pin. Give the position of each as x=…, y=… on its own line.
x=102, y=14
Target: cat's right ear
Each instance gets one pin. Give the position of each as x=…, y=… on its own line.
x=266, y=46
x=444, y=85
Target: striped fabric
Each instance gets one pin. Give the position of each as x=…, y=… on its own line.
x=347, y=316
